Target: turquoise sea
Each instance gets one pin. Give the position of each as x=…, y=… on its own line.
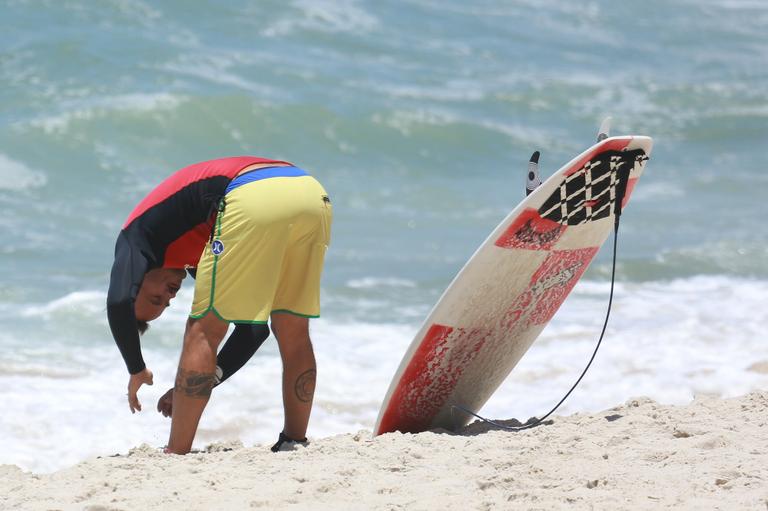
x=418, y=116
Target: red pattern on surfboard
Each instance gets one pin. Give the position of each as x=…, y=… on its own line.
x=431, y=376
x=445, y=351
x=529, y=231
x=549, y=287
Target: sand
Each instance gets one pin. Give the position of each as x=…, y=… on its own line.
x=711, y=454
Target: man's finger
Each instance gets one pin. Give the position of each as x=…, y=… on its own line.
x=133, y=402
x=167, y=407
x=165, y=403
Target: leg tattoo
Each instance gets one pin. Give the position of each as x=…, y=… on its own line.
x=194, y=383
x=305, y=385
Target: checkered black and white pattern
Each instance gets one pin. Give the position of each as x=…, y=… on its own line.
x=589, y=193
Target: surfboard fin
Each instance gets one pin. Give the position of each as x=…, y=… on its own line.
x=532, y=179
x=605, y=129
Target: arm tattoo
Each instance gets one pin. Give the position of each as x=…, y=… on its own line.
x=195, y=384
x=305, y=385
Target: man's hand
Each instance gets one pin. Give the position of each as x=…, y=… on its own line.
x=136, y=381
x=165, y=403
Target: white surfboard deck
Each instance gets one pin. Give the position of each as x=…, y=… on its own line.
x=509, y=290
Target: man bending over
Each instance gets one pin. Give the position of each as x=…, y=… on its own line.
x=256, y=230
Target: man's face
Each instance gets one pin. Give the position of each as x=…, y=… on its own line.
x=157, y=289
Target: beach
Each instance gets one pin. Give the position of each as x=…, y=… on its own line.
x=419, y=118
x=710, y=454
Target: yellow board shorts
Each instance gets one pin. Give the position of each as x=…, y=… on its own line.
x=268, y=248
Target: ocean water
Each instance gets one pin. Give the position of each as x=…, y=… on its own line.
x=419, y=117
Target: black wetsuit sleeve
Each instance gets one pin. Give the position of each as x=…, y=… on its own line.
x=239, y=348
x=128, y=271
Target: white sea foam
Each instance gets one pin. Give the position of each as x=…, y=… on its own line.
x=454, y=90
x=667, y=340
x=82, y=412
x=97, y=107
x=217, y=68
x=655, y=190
x=88, y=302
x=14, y=175
x=409, y=121
x=521, y=134
x=137, y=10
x=332, y=16
x=404, y=121
x=374, y=282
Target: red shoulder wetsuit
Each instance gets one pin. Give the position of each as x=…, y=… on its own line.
x=168, y=229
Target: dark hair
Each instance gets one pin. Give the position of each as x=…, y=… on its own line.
x=143, y=326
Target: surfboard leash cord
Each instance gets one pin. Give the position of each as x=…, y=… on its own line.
x=533, y=421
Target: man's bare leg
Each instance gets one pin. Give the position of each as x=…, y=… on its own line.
x=194, y=379
x=299, y=371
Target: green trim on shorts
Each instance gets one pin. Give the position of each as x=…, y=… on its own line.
x=205, y=313
x=215, y=260
x=296, y=313
x=216, y=313
x=213, y=278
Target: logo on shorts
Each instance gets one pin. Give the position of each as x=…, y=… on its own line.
x=217, y=247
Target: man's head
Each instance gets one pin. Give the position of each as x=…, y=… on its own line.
x=157, y=289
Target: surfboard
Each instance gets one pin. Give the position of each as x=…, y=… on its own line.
x=512, y=286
